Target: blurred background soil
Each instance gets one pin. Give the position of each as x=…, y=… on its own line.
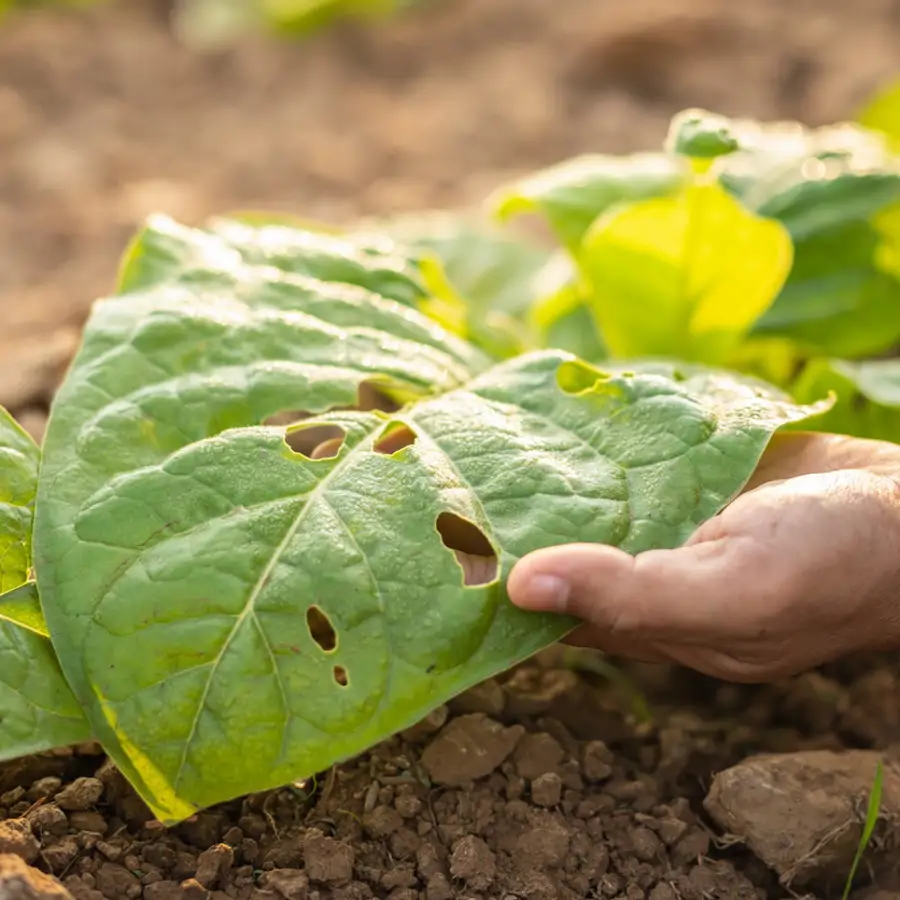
x=105, y=117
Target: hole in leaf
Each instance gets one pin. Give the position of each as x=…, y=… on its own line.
x=316, y=441
x=320, y=628
x=372, y=397
x=340, y=676
x=395, y=437
x=578, y=377
x=474, y=552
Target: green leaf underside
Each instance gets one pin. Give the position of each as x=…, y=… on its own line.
x=180, y=544
x=19, y=462
x=37, y=709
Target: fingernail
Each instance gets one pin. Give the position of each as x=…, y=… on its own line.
x=544, y=592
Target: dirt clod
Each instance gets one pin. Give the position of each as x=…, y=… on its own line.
x=291, y=884
x=537, y=754
x=802, y=813
x=473, y=862
x=469, y=748
x=487, y=698
x=546, y=790
x=597, y=761
x=431, y=724
x=46, y=820
x=213, y=864
x=19, y=881
x=16, y=839
x=81, y=794
x=327, y=860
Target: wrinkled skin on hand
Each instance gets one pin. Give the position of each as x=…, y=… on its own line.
x=802, y=568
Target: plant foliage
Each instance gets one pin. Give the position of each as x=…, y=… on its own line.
x=290, y=468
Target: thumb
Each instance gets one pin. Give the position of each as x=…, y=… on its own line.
x=657, y=594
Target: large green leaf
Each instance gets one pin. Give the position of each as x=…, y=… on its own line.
x=827, y=186
x=19, y=462
x=868, y=396
x=683, y=276
x=37, y=709
x=841, y=298
x=573, y=193
x=237, y=605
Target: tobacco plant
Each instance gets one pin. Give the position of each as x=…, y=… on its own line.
x=290, y=469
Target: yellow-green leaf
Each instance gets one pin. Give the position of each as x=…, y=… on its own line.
x=683, y=276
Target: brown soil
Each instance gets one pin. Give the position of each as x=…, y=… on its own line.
x=546, y=784
x=543, y=785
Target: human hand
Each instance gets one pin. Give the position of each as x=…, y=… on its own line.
x=801, y=569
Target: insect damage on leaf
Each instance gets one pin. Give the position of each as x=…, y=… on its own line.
x=320, y=629
x=241, y=596
x=473, y=551
x=316, y=441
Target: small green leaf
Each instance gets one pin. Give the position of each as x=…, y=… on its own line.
x=37, y=709
x=19, y=463
x=494, y=277
x=238, y=605
x=868, y=396
x=683, y=276
x=572, y=194
x=491, y=270
x=882, y=114
x=701, y=135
